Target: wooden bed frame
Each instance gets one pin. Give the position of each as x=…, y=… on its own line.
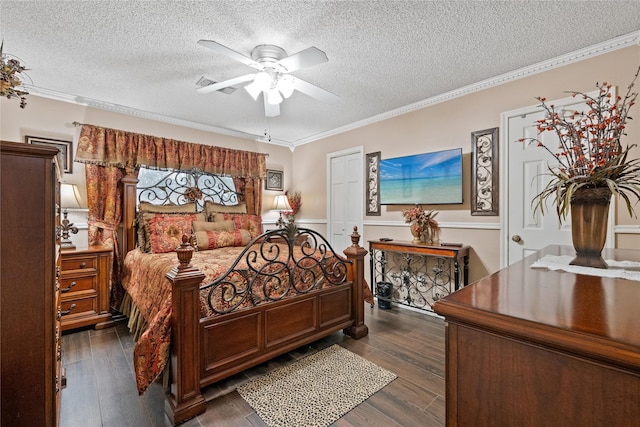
x=206, y=350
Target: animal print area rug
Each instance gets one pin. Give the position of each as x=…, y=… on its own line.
x=315, y=391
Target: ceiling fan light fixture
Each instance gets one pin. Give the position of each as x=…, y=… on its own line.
x=254, y=90
x=273, y=97
x=286, y=85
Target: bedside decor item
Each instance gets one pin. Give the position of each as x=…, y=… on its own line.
x=484, y=172
x=373, y=183
x=280, y=204
x=11, y=77
x=69, y=199
x=592, y=165
x=295, y=201
x=65, y=147
x=274, y=180
x=424, y=227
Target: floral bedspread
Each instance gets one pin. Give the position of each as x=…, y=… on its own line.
x=150, y=291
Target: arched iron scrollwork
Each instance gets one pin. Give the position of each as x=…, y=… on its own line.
x=416, y=280
x=180, y=187
x=277, y=264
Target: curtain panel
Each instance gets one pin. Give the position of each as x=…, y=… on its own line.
x=108, y=151
x=104, y=146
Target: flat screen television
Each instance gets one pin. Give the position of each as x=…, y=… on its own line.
x=430, y=179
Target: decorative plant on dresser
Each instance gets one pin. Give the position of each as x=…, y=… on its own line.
x=30, y=335
x=591, y=166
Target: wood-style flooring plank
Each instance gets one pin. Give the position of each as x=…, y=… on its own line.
x=102, y=390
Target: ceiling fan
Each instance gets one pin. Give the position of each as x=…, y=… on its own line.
x=273, y=79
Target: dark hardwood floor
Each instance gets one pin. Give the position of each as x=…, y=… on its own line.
x=101, y=388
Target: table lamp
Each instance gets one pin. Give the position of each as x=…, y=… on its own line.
x=280, y=204
x=69, y=199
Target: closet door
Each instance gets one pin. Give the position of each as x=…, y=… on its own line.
x=345, y=196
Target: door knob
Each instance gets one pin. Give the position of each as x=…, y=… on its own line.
x=516, y=238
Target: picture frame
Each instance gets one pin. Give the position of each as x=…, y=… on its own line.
x=484, y=172
x=372, y=189
x=65, y=147
x=275, y=180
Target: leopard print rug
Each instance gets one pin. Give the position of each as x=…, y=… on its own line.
x=315, y=391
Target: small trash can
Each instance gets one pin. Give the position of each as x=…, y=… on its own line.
x=383, y=292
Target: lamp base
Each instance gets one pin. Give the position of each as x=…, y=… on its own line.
x=67, y=245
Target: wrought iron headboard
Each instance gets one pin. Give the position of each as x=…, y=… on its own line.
x=180, y=187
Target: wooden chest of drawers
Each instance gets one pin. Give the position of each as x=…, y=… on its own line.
x=84, y=287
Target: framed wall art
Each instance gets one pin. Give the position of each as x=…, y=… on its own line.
x=65, y=147
x=274, y=180
x=373, y=184
x=484, y=172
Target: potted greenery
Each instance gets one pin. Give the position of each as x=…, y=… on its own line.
x=592, y=165
x=11, y=76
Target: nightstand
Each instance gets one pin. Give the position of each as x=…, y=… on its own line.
x=84, y=287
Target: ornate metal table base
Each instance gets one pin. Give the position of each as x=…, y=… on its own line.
x=415, y=275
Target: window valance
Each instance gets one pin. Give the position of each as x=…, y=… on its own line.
x=113, y=147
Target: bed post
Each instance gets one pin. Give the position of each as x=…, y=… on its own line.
x=184, y=399
x=129, y=183
x=356, y=253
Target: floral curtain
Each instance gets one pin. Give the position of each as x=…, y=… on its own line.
x=114, y=147
x=107, y=152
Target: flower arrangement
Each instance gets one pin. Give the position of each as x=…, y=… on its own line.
x=295, y=201
x=11, y=75
x=424, y=219
x=590, y=154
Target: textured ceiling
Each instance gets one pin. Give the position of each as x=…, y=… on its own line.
x=142, y=57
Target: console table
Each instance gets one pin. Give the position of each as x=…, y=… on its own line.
x=537, y=347
x=416, y=275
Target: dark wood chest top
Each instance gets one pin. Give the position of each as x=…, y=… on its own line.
x=592, y=316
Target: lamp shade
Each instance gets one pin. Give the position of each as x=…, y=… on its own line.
x=281, y=203
x=70, y=196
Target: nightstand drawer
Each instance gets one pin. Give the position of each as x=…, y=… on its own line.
x=78, y=307
x=75, y=284
x=79, y=262
x=84, y=286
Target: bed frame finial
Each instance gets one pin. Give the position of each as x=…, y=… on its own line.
x=355, y=236
x=185, y=252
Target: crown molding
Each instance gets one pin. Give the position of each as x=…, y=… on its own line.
x=107, y=106
x=579, y=55
x=576, y=56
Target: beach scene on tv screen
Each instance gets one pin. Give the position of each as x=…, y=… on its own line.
x=429, y=178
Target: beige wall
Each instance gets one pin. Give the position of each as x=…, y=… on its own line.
x=48, y=118
x=440, y=126
x=449, y=124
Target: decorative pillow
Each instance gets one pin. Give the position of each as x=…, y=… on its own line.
x=220, y=239
x=210, y=208
x=171, y=208
x=146, y=211
x=253, y=223
x=143, y=223
x=213, y=226
x=166, y=231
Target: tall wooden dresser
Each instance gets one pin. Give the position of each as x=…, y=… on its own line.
x=30, y=347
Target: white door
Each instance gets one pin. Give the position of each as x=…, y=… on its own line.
x=345, y=196
x=525, y=232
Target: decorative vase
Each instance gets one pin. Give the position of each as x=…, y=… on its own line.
x=416, y=231
x=589, y=216
x=431, y=235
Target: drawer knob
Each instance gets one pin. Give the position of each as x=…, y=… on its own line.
x=67, y=289
x=65, y=312
x=83, y=264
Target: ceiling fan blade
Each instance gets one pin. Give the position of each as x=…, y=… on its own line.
x=218, y=48
x=270, y=110
x=303, y=59
x=315, y=91
x=226, y=83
